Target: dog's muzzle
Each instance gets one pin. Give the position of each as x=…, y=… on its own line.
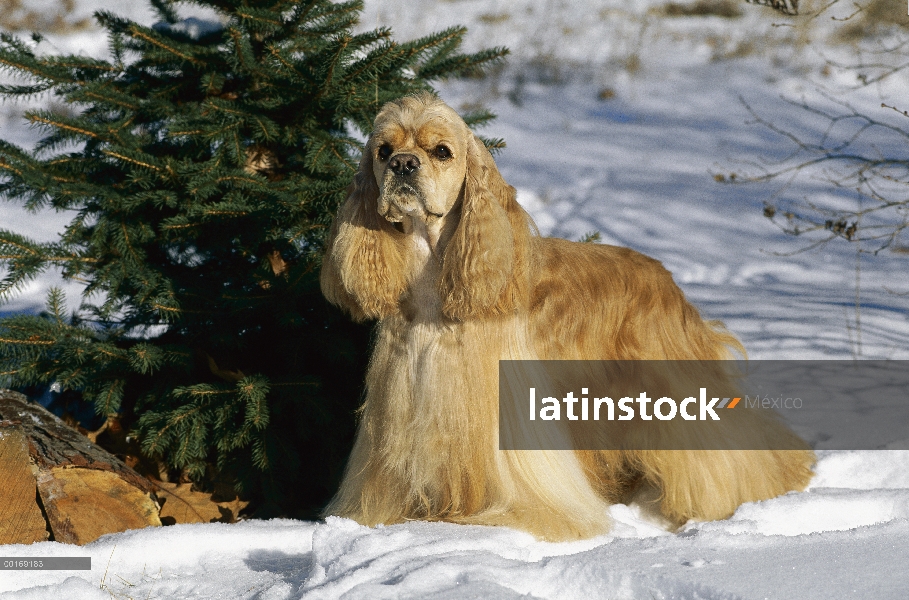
x=401, y=195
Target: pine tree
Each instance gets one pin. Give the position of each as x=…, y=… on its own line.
x=203, y=163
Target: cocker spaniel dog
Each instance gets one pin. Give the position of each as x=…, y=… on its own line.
x=432, y=243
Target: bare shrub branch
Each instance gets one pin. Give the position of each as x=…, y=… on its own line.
x=852, y=158
x=787, y=7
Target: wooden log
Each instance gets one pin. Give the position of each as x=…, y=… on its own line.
x=84, y=490
x=21, y=521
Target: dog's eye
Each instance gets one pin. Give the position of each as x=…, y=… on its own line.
x=442, y=152
x=384, y=152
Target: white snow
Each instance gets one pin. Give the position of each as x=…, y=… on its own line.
x=638, y=167
x=838, y=541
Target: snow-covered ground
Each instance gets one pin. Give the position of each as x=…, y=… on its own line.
x=617, y=120
x=841, y=541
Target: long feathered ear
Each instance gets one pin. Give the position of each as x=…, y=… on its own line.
x=363, y=270
x=485, y=265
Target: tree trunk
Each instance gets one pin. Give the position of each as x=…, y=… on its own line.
x=56, y=484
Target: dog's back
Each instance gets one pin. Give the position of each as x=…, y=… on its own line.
x=601, y=302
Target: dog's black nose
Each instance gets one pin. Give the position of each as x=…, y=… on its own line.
x=404, y=164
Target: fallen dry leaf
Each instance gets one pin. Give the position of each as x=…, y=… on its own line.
x=181, y=504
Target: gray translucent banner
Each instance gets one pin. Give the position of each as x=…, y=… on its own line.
x=703, y=405
x=54, y=563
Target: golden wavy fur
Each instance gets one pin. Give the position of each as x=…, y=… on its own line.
x=432, y=243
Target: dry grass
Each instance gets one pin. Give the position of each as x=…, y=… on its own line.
x=873, y=17
x=494, y=18
x=704, y=8
x=15, y=15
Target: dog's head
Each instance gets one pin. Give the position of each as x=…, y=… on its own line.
x=423, y=163
x=419, y=151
